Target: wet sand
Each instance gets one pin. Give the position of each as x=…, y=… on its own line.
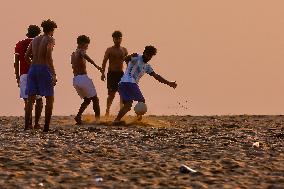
x=146, y=154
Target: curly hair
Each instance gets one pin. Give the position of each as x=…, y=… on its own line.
x=83, y=39
x=48, y=25
x=150, y=50
x=33, y=31
x=117, y=34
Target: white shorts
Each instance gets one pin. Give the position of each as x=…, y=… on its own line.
x=84, y=86
x=23, y=86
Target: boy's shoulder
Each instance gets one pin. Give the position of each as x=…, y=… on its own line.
x=124, y=49
x=110, y=48
x=79, y=52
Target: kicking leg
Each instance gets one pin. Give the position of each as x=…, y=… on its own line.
x=48, y=112
x=126, y=108
x=83, y=107
x=120, y=102
x=38, y=110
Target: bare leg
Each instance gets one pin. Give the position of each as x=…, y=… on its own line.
x=31, y=118
x=28, y=111
x=38, y=110
x=48, y=112
x=96, y=107
x=110, y=98
x=126, y=108
x=83, y=107
x=120, y=102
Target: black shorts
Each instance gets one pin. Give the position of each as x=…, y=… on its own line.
x=113, y=79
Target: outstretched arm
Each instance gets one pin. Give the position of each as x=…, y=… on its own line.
x=159, y=78
x=85, y=56
x=16, y=67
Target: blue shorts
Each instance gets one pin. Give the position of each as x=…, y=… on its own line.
x=130, y=92
x=39, y=81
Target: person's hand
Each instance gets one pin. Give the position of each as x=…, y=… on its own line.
x=173, y=84
x=103, y=77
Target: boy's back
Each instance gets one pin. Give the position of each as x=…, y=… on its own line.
x=78, y=62
x=40, y=49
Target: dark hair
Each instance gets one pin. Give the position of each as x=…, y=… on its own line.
x=33, y=31
x=82, y=39
x=117, y=34
x=150, y=50
x=48, y=25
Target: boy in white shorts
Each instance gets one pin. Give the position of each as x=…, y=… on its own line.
x=81, y=82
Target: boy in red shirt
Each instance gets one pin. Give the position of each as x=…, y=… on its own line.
x=21, y=65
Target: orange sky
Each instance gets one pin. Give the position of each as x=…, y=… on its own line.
x=227, y=56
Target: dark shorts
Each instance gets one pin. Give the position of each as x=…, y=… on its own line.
x=113, y=79
x=39, y=81
x=130, y=92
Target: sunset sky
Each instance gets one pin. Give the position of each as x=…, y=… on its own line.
x=226, y=56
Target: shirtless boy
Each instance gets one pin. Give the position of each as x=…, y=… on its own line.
x=22, y=66
x=128, y=87
x=115, y=55
x=81, y=82
x=41, y=76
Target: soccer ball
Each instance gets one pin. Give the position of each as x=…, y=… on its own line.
x=140, y=108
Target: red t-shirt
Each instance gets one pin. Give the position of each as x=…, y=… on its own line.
x=20, y=49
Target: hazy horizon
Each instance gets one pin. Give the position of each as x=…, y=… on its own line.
x=226, y=56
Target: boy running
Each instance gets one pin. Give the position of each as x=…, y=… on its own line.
x=22, y=66
x=128, y=87
x=81, y=82
x=116, y=55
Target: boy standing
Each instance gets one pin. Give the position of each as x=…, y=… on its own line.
x=22, y=66
x=116, y=55
x=81, y=82
x=128, y=87
x=41, y=76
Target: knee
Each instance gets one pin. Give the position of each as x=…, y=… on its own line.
x=111, y=94
x=128, y=106
x=39, y=102
x=49, y=102
x=31, y=100
x=95, y=99
x=87, y=101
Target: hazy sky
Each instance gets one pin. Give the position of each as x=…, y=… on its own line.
x=226, y=56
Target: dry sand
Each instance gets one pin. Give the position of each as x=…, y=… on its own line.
x=145, y=155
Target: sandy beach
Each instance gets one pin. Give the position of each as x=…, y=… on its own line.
x=146, y=154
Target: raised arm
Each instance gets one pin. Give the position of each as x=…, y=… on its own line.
x=163, y=80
